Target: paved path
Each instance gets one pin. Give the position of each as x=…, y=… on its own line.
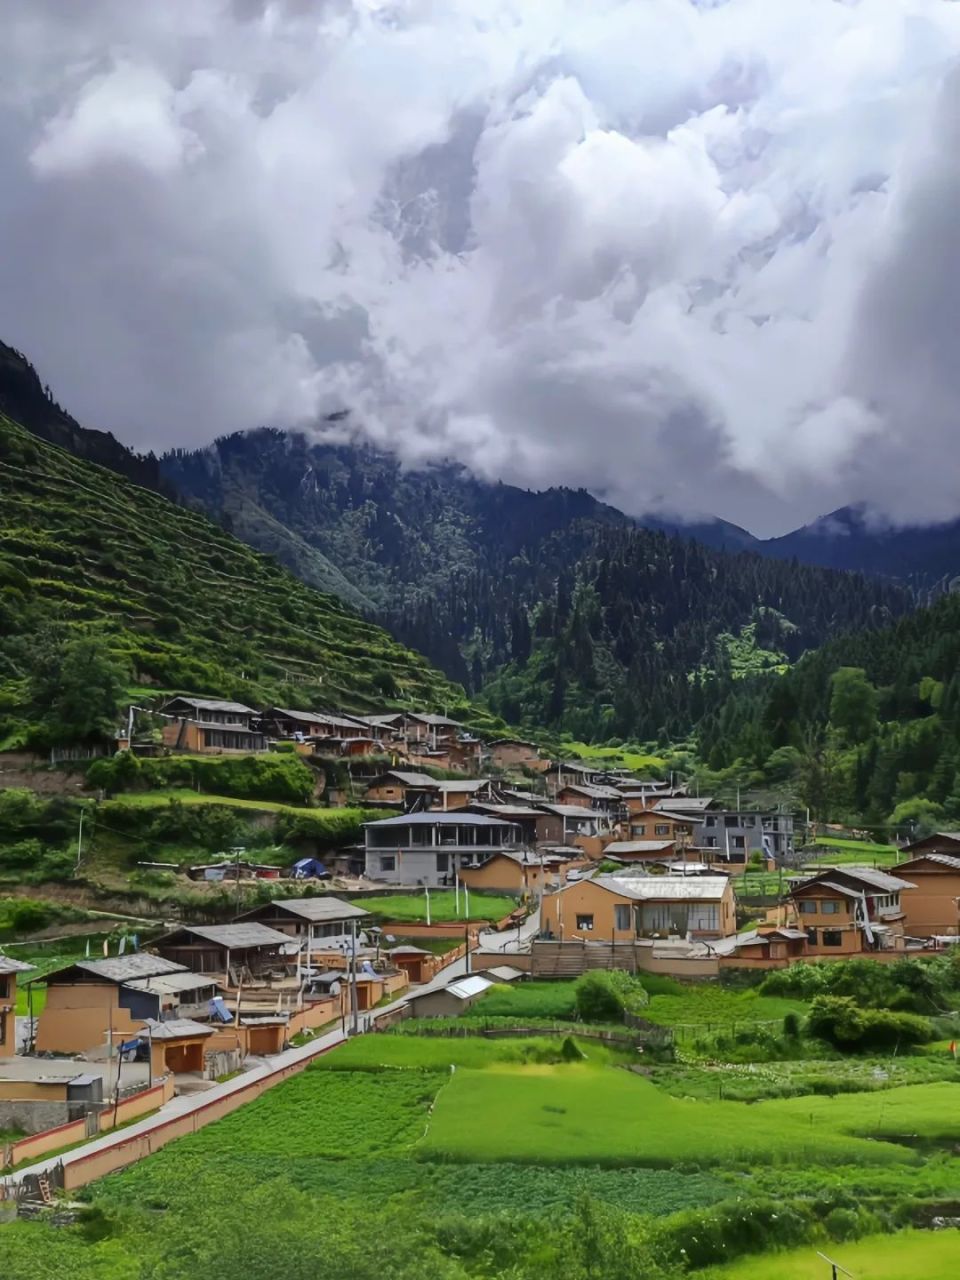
x=511, y=940
x=184, y=1104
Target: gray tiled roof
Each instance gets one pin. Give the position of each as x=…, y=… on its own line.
x=249, y=934
x=140, y=964
x=317, y=910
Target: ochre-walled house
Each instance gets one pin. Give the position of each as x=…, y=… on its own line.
x=624, y=908
x=8, y=1003
x=932, y=907
x=847, y=911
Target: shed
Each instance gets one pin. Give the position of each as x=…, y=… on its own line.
x=451, y=1001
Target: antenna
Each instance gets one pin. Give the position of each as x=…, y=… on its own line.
x=836, y=1266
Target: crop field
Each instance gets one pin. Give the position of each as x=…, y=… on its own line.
x=757, y=1081
x=566, y=1114
x=714, y=1007
x=440, y=1052
x=412, y=907
x=908, y=1255
x=528, y=999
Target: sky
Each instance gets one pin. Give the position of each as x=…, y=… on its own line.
x=698, y=256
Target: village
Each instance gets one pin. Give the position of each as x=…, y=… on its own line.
x=520, y=868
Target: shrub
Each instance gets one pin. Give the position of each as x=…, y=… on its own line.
x=791, y=1025
x=840, y=1021
x=607, y=995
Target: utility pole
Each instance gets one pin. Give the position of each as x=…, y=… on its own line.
x=76, y=870
x=354, y=1012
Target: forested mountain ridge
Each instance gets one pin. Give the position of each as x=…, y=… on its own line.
x=868, y=725
x=559, y=610
x=170, y=599
x=925, y=556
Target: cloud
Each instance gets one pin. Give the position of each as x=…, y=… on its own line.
x=699, y=257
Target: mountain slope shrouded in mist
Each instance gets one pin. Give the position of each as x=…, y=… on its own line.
x=558, y=609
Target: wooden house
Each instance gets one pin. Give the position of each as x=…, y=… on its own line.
x=233, y=952
x=211, y=726
x=932, y=907
x=847, y=911
x=401, y=789
x=513, y=753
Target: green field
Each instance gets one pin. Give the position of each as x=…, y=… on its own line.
x=910, y=1255
x=846, y=852
x=713, y=1007
x=616, y=757
x=412, y=907
x=548, y=1115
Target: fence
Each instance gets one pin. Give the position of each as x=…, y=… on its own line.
x=38, y=1145
x=649, y=1033
x=686, y=1031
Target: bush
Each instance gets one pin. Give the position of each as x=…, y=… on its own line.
x=842, y=1023
x=606, y=995
x=791, y=1026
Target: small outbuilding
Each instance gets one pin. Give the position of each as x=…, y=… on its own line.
x=451, y=1001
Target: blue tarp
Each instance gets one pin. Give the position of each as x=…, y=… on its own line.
x=307, y=868
x=219, y=1011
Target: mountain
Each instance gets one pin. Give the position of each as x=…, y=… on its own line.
x=186, y=605
x=24, y=399
x=868, y=724
x=560, y=610
x=852, y=538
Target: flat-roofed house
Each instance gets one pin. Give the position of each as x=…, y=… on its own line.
x=932, y=907
x=8, y=1003
x=850, y=910
x=621, y=908
x=431, y=848
x=210, y=726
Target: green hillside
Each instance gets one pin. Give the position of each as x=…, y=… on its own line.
x=178, y=601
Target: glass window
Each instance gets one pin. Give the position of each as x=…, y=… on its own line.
x=584, y=923
x=709, y=821
x=661, y=829
x=443, y=863
x=388, y=862
x=832, y=938
x=711, y=842
x=639, y=828
x=829, y=907
x=731, y=820
x=621, y=916
x=739, y=842
x=808, y=907
x=812, y=937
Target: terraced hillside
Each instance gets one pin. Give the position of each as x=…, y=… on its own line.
x=186, y=605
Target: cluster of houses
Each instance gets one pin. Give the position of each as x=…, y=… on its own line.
x=212, y=726
x=205, y=997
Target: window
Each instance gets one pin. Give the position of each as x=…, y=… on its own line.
x=661, y=829
x=4, y=990
x=829, y=907
x=443, y=863
x=808, y=907
x=812, y=937
x=711, y=842
x=621, y=917
x=731, y=820
x=832, y=938
x=584, y=924
x=709, y=821
x=388, y=862
x=639, y=829
x=739, y=842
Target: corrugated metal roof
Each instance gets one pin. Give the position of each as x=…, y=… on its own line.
x=9, y=965
x=317, y=910
x=505, y=973
x=141, y=964
x=177, y=1029
x=212, y=704
x=468, y=988
x=163, y=984
x=670, y=888
x=569, y=810
x=638, y=846
x=684, y=804
x=407, y=778
x=456, y=817
x=869, y=877
x=944, y=859
x=250, y=934
x=471, y=784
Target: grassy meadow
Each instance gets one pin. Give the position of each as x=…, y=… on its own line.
x=410, y=908
x=542, y=1156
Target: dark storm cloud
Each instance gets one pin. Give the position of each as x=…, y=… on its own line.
x=696, y=256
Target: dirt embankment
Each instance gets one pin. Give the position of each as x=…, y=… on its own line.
x=21, y=769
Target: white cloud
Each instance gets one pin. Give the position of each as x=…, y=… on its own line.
x=691, y=255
